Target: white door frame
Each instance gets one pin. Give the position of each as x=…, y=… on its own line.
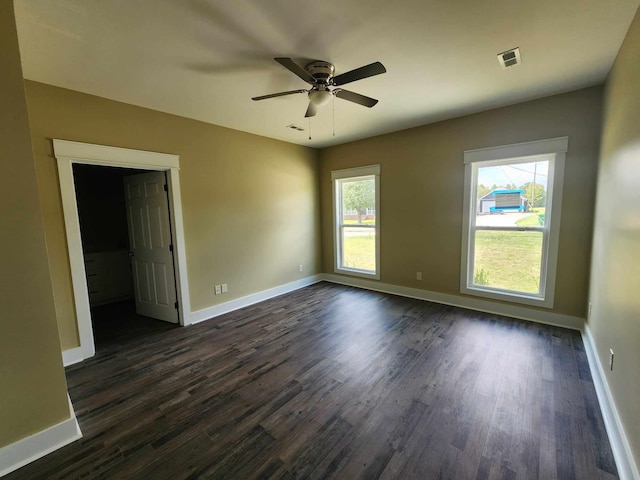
x=68, y=153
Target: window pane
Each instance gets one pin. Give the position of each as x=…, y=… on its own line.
x=359, y=248
x=508, y=260
x=512, y=195
x=359, y=201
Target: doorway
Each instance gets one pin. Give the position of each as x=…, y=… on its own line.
x=70, y=153
x=126, y=241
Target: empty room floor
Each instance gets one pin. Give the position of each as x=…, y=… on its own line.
x=117, y=323
x=336, y=382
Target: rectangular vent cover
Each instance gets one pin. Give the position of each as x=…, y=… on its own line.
x=510, y=58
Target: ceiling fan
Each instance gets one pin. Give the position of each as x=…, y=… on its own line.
x=320, y=75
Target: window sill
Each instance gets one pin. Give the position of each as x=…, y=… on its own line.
x=506, y=296
x=357, y=273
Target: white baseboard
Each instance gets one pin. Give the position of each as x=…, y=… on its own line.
x=29, y=449
x=627, y=468
x=216, y=310
x=533, y=315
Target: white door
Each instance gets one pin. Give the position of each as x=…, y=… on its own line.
x=150, y=246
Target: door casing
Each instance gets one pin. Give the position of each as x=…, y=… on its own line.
x=67, y=154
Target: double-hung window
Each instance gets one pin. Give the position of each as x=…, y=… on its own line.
x=511, y=221
x=356, y=218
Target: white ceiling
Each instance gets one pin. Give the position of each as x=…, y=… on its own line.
x=205, y=59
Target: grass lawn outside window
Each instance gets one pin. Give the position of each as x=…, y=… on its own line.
x=509, y=260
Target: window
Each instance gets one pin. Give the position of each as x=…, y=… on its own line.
x=356, y=194
x=511, y=221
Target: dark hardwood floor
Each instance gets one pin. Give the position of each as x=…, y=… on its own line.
x=118, y=323
x=336, y=382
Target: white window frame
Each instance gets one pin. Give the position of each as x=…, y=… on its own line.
x=554, y=150
x=337, y=178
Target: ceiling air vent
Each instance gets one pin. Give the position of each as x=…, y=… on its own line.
x=510, y=58
x=295, y=127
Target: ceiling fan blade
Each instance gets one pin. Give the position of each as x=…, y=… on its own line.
x=375, y=68
x=356, y=98
x=311, y=110
x=295, y=68
x=281, y=94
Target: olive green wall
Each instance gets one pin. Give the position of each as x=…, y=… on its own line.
x=250, y=204
x=421, y=187
x=33, y=390
x=615, y=289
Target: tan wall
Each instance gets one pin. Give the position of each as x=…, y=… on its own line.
x=250, y=204
x=33, y=390
x=615, y=284
x=421, y=185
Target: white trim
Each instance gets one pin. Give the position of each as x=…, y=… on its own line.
x=107, y=155
x=36, y=446
x=180, y=260
x=627, y=468
x=556, y=176
x=525, y=149
x=514, y=311
x=76, y=257
x=68, y=153
x=238, y=303
x=356, y=172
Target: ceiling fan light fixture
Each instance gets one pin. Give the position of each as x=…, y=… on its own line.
x=320, y=97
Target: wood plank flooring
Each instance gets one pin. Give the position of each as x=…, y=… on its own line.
x=335, y=382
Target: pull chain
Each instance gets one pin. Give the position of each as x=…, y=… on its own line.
x=309, y=128
x=333, y=105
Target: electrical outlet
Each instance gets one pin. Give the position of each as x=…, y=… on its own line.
x=224, y=288
x=418, y=275
x=611, y=359
x=300, y=268
x=218, y=290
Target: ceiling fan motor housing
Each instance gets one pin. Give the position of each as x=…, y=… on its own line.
x=321, y=71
